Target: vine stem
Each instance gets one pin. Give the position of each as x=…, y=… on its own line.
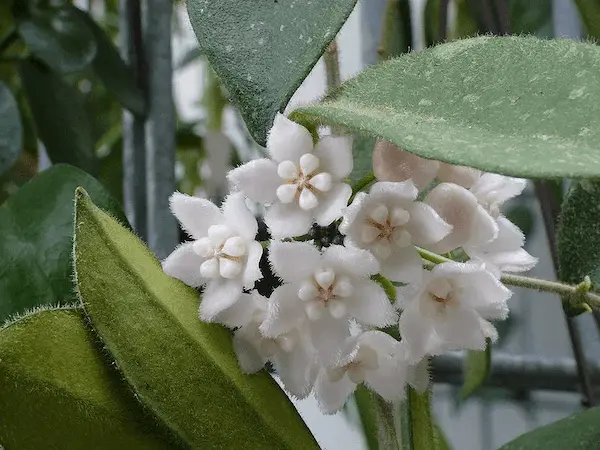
x=538, y=284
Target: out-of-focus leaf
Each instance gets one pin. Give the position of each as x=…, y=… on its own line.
x=60, y=392
x=10, y=129
x=477, y=369
x=59, y=37
x=396, y=36
x=181, y=369
x=59, y=116
x=36, y=234
x=589, y=12
x=110, y=68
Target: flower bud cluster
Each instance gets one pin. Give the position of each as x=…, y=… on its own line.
x=322, y=327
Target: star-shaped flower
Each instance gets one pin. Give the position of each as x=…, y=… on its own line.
x=223, y=255
x=328, y=289
x=291, y=353
x=448, y=311
x=368, y=358
x=389, y=222
x=300, y=182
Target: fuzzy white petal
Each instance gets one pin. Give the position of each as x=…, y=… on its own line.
x=426, y=226
x=257, y=179
x=285, y=311
x=335, y=154
x=287, y=220
x=404, y=265
x=328, y=335
x=249, y=359
x=390, y=163
x=252, y=271
x=332, y=203
x=331, y=395
x=397, y=192
x=288, y=140
x=297, y=370
x=484, y=229
x=217, y=297
x=239, y=217
x=351, y=212
x=293, y=261
x=243, y=310
x=461, y=175
x=461, y=329
x=418, y=333
x=196, y=215
x=350, y=260
x=184, y=264
x=369, y=304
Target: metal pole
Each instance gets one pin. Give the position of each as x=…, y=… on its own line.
x=134, y=145
x=163, y=233
x=519, y=372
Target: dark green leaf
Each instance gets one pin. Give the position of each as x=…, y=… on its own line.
x=36, y=233
x=580, y=431
x=59, y=37
x=531, y=17
x=578, y=237
x=10, y=129
x=423, y=432
x=59, y=116
x=377, y=420
x=114, y=73
x=589, y=11
x=477, y=369
x=263, y=50
x=519, y=106
x=181, y=369
x=58, y=392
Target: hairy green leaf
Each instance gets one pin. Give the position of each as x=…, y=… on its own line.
x=378, y=419
x=10, y=129
x=59, y=37
x=36, y=233
x=578, y=237
x=580, y=431
x=59, y=116
x=59, y=392
x=263, y=50
x=518, y=106
x=477, y=369
x=110, y=68
x=423, y=433
x=183, y=370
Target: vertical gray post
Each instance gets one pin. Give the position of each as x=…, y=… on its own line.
x=160, y=127
x=371, y=20
x=565, y=19
x=134, y=145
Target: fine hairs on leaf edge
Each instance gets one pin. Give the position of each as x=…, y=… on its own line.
x=171, y=435
x=22, y=316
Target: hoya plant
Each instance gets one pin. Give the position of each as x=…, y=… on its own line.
x=370, y=238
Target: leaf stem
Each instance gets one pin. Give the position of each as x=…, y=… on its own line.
x=332, y=66
x=591, y=298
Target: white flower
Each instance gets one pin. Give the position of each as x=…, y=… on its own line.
x=300, y=182
x=291, y=353
x=328, y=288
x=368, y=358
x=389, y=223
x=223, y=254
x=472, y=224
x=505, y=252
x=390, y=163
x=448, y=311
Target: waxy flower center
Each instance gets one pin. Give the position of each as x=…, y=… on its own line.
x=441, y=291
x=385, y=228
x=325, y=290
x=303, y=183
x=224, y=251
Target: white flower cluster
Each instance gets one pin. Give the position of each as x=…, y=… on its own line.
x=321, y=328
